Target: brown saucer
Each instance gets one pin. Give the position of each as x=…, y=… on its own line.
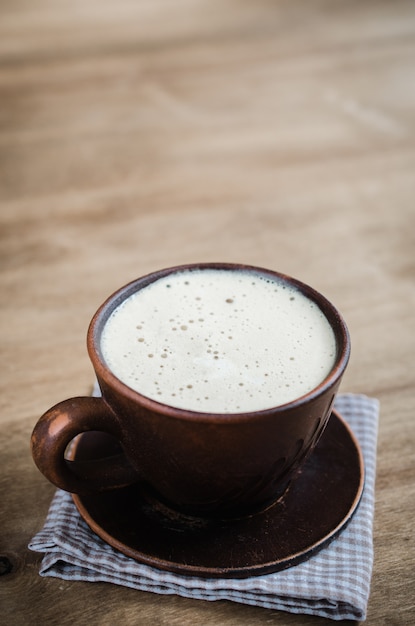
x=315, y=508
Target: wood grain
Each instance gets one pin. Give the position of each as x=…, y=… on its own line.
x=138, y=135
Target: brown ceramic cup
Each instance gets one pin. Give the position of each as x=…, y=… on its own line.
x=204, y=464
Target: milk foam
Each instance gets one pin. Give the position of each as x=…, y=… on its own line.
x=219, y=341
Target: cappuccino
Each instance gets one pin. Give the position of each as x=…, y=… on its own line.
x=219, y=341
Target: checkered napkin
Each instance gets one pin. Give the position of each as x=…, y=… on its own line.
x=334, y=583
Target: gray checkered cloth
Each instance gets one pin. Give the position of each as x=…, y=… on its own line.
x=334, y=583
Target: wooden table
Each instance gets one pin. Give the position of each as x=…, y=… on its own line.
x=138, y=135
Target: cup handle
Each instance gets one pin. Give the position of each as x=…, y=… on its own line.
x=57, y=428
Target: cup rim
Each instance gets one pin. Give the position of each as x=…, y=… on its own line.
x=104, y=373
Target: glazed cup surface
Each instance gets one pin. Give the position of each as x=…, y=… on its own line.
x=205, y=464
